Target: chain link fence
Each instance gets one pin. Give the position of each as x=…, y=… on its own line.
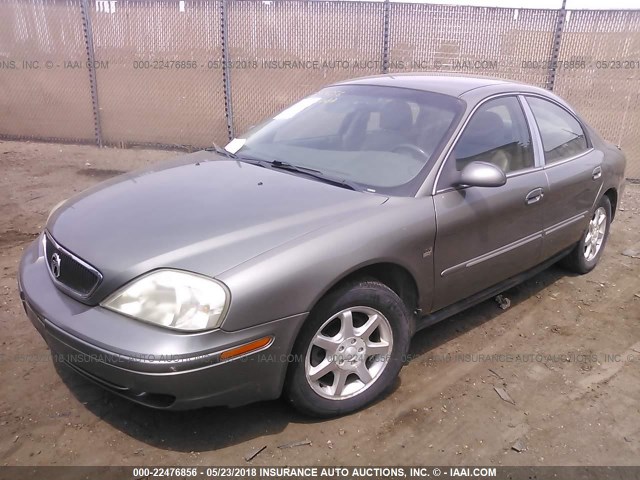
x=485, y=41
x=41, y=97
x=282, y=51
x=186, y=73
x=157, y=86
x=607, y=91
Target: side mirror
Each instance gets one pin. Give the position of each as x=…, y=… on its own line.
x=482, y=174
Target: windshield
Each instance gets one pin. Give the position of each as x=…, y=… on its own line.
x=382, y=139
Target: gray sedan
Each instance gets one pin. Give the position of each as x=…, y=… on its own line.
x=302, y=257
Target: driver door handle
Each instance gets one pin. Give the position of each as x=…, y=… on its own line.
x=534, y=196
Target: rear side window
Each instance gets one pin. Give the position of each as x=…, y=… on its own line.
x=562, y=135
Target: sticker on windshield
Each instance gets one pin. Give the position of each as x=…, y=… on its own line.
x=234, y=145
x=296, y=108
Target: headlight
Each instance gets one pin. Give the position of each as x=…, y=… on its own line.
x=172, y=299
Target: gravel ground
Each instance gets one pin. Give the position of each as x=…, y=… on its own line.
x=567, y=352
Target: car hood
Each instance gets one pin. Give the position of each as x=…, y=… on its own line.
x=202, y=212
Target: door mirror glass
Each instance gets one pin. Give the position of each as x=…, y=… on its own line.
x=482, y=174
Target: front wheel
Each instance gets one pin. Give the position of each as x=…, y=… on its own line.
x=349, y=351
x=586, y=254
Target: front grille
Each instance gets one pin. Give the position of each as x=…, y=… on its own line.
x=71, y=272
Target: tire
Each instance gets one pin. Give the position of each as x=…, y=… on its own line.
x=582, y=258
x=327, y=376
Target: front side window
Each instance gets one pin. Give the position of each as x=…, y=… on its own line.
x=381, y=138
x=496, y=133
x=562, y=135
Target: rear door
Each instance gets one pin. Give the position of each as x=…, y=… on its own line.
x=574, y=171
x=488, y=234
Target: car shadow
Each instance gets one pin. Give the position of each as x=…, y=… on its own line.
x=202, y=430
x=210, y=429
x=430, y=338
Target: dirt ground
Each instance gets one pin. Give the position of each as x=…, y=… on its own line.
x=567, y=351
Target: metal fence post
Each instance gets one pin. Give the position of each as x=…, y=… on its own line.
x=555, y=48
x=226, y=70
x=91, y=68
x=385, y=36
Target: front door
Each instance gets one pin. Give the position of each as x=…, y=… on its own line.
x=488, y=234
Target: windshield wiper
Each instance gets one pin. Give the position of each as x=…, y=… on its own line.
x=317, y=174
x=293, y=168
x=222, y=151
x=312, y=173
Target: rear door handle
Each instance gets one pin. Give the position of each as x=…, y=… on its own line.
x=534, y=196
x=597, y=173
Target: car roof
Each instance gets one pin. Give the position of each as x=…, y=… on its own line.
x=453, y=85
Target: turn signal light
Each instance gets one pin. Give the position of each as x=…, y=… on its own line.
x=246, y=348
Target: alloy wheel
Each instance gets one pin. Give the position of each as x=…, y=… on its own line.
x=595, y=234
x=348, y=353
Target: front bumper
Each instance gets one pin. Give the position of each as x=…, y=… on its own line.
x=148, y=364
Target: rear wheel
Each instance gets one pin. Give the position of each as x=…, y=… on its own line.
x=586, y=254
x=349, y=351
